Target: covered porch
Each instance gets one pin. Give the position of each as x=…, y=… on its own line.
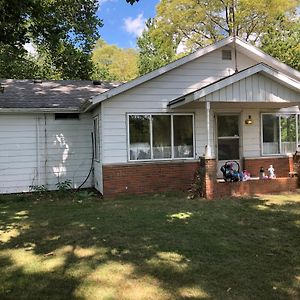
x=252, y=117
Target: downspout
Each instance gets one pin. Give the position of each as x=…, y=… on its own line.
x=38, y=149
x=45, y=149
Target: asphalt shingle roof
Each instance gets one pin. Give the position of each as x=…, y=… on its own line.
x=55, y=94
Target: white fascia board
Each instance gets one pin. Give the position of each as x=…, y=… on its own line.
x=185, y=99
x=268, y=59
x=135, y=82
x=39, y=110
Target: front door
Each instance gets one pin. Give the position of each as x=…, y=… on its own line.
x=228, y=140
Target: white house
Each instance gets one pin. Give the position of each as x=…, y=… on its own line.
x=227, y=101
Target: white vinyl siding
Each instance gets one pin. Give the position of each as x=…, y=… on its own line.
x=255, y=88
x=98, y=181
x=31, y=155
x=153, y=97
x=251, y=133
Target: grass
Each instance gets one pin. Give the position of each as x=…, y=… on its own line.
x=56, y=246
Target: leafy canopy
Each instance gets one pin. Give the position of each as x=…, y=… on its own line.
x=113, y=63
x=63, y=32
x=282, y=41
x=192, y=24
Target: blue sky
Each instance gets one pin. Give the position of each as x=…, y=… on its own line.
x=123, y=22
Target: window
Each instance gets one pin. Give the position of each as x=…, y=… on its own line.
x=183, y=136
x=161, y=127
x=96, y=139
x=160, y=136
x=279, y=133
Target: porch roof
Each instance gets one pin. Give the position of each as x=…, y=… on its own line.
x=257, y=84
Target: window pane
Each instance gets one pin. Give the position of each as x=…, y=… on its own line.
x=183, y=136
x=288, y=133
x=161, y=126
x=270, y=134
x=139, y=136
x=228, y=149
x=228, y=126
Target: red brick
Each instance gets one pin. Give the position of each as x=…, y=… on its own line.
x=282, y=165
x=141, y=178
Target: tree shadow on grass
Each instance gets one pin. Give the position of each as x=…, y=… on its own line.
x=152, y=247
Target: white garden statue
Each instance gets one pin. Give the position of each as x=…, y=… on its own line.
x=271, y=172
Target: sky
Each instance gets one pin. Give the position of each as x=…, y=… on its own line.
x=123, y=22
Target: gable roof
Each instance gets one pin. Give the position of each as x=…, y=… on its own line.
x=51, y=95
x=231, y=79
x=241, y=45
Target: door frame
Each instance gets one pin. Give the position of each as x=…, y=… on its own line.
x=228, y=113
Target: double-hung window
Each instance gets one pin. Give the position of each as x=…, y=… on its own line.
x=160, y=136
x=279, y=133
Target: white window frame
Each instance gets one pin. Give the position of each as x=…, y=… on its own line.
x=297, y=115
x=96, y=130
x=151, y=137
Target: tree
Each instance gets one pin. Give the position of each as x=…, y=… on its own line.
x=113, y=63
x=196, y=23
x=282, y=41
x=153, y=53
x=64, y=31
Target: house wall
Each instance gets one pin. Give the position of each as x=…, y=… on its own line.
x=154, y=95
x=98, y=179
x=36, y=149
x=255, y=88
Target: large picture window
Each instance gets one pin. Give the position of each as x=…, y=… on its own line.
x=160, y=136
x=279, y=133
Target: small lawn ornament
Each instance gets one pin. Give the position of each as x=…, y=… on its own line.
x=271, y=171
x=261, y=173
x=246, y=175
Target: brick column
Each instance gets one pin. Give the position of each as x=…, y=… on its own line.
x=210, y=176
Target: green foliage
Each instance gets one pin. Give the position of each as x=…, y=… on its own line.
x=85, y=195
x=282, y=41
x=63, y=32
x=197, y=188
x=153, y=51
x=195, y=24
x=16, y=64
x=113, y=63
x=38, y=188
x=63, y=186
x=155, y=247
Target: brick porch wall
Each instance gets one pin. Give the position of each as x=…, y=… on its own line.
x=141, y=178
x=254, y=187
x=216, y=189
x=282, y=165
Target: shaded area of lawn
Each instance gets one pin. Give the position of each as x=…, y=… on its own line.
x=151, y=247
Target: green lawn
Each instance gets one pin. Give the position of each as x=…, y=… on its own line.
x=152, y=247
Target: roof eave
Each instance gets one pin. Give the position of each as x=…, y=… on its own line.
x=39, y=110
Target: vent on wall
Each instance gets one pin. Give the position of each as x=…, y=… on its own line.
x=226, y=55
x=66, y=116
